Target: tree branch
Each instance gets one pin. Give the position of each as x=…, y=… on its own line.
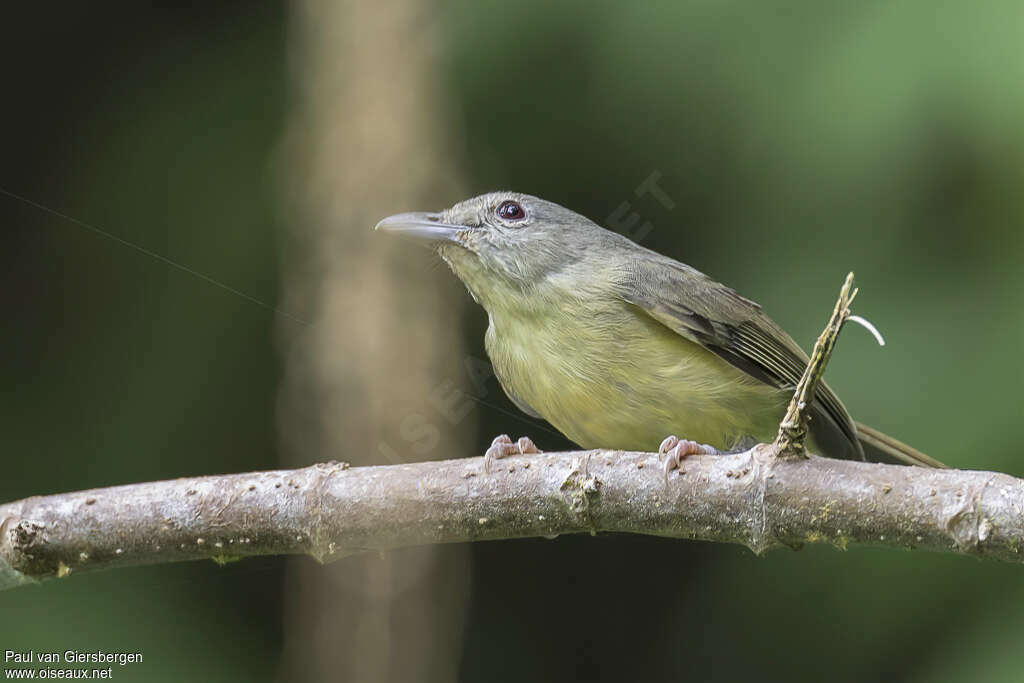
x=772, y=495
x=329, y=511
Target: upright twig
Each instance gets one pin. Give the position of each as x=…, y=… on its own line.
x=793, y=428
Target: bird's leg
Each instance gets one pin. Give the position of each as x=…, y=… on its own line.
x=503, y=446
x=676, y=449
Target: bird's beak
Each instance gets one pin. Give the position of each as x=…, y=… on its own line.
x=423, y=226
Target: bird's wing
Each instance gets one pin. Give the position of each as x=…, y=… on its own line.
x=734, y=328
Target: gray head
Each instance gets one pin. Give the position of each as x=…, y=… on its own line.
x=504, y=241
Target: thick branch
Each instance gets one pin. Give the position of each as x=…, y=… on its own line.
x=328, y=511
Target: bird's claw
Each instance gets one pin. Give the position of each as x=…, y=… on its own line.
x=503, y=446
x=676, y=449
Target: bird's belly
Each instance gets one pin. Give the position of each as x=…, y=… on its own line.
x=629, y=392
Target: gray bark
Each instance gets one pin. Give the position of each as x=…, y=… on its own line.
x=330, y=510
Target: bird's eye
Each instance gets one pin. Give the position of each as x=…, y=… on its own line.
x=510, y=211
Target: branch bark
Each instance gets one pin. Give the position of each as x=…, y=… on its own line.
x=329, y=511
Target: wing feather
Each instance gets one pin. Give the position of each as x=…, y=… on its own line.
x=732, y=327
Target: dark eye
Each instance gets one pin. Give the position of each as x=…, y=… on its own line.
x=510, y=211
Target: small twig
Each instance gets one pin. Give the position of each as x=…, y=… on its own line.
x=793, y=428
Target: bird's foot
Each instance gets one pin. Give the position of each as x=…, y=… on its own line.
x=676, y=449
x=502, y=446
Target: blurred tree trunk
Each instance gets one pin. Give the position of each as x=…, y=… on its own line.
x=367, y=138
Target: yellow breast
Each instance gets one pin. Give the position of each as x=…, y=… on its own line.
x=610, y=376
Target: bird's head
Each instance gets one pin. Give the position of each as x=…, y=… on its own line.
x=503, y=243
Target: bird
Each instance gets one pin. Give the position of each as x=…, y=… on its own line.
x=620, y=347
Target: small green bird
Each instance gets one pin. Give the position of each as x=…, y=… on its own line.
x=618, y=346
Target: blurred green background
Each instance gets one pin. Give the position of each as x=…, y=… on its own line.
x=798, y=140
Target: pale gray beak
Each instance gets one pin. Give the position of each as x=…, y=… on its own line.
x=421, y=225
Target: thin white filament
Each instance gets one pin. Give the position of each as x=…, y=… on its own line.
x=866, y=324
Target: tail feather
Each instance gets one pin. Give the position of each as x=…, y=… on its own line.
x=882, y=447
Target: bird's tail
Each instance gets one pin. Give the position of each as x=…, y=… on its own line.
x=882, y=447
